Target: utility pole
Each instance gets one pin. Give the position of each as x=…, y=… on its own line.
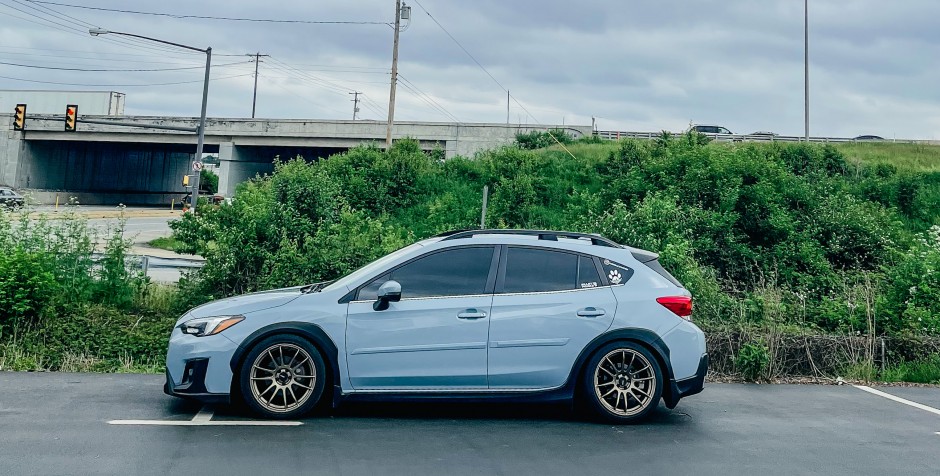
x=355, y=101
x=254, y=98
x=806, y=61
x=508, y=99
x=391, y=94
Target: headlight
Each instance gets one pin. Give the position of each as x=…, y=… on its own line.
x=207, y=326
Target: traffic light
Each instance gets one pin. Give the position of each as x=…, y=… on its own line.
x=19, y=117
x=71, y=117
x=186, y=180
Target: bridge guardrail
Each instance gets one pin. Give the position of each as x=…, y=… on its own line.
x=617, y=135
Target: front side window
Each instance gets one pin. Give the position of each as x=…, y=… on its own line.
x=454, y=272
x=530, y=270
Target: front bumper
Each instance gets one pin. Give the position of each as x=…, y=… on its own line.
x=198, y=367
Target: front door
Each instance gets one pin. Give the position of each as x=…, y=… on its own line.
x=548, y=305
x=436, y=336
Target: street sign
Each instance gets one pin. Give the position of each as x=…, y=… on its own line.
x=197, y=166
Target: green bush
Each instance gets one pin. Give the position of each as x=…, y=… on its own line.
x=752, y=360
x=541, y=139
x=208, y=181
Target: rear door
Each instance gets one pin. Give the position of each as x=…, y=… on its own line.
x=435, y=337
x=549, y=304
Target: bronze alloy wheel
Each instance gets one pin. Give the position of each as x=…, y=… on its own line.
x=625, y=382
x=283, y=378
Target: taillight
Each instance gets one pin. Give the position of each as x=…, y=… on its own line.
x=679, y=305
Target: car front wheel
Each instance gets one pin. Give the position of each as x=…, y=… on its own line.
x=283, y=376
x=623, y=382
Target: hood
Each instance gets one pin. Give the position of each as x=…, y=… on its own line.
x=245, y=304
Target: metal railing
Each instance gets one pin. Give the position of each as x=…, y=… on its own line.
x=617, y=135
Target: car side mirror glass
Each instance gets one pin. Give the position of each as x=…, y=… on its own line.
x=388, y=292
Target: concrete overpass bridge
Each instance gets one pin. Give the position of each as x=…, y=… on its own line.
x=107, y=164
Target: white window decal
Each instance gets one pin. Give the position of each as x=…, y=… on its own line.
x=614, y=277
x=592, y=284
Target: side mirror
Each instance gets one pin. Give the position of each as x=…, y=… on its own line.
x=388, y=292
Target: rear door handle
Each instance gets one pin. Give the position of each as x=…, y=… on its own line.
x=591, y=312
x=471, y=314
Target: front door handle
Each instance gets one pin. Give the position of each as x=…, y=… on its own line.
x=471, y=314
x=591, y=312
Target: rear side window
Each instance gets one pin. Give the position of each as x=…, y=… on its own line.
x=530, y=270
x=587, y=273
x=454, y=272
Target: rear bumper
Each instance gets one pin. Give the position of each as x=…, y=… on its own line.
x=694, y=384
x=679, y=389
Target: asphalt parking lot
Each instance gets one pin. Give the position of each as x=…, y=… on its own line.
x=55, y=423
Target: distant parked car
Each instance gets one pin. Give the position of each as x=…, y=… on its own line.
x=869, y=137
x=10, y=199
x=704, y=129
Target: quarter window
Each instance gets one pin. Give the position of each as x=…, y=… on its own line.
x=454, y=272
x=616, y=272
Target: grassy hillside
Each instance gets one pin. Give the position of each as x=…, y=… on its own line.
x=910, y=157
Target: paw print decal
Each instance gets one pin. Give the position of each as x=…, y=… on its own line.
x=614, y=277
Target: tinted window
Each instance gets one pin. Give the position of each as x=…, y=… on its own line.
x=456, y=272
x=616, y=272
x=532, y=270
x=587, y=273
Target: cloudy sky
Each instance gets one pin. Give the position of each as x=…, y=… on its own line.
x=635, y=65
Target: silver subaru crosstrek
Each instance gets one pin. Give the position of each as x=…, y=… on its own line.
x=516, y=315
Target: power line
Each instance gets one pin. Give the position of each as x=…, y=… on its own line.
x=122, y=85
x=94, y=52
x=209, y=17
x=117, y=70
x=275, y=84
x=489, y=74
x=77, y=31
x=427, y=98
x=460, y=45
x=81, y=58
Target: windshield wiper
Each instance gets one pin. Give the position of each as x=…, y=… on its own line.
x=314, y=288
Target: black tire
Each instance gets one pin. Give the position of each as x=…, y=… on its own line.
x=622, y=374
x=282, y=377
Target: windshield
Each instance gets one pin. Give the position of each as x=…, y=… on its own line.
x=373, y=267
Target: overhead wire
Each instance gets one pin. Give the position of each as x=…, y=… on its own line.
x=211, y=17
x=131, y=85
x=427, y=98
x=99, y=70
x=293, y=93
x=467, y=52
x=45, y=17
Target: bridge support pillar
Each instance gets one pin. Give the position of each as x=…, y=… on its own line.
x=12, y=153
x=239, y=164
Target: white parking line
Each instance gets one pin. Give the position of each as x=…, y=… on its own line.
x=899, y=400
x=204, y=415
x=210, y=423
x=204, y=418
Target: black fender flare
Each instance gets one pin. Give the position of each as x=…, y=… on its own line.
x=311, y=332
x=644, y=337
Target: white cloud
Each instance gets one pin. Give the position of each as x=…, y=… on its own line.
x=637, y=64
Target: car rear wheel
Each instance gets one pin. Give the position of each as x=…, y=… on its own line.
x=623, y=382
x=282, y=377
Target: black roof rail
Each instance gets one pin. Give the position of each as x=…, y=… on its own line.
x=541, y=234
